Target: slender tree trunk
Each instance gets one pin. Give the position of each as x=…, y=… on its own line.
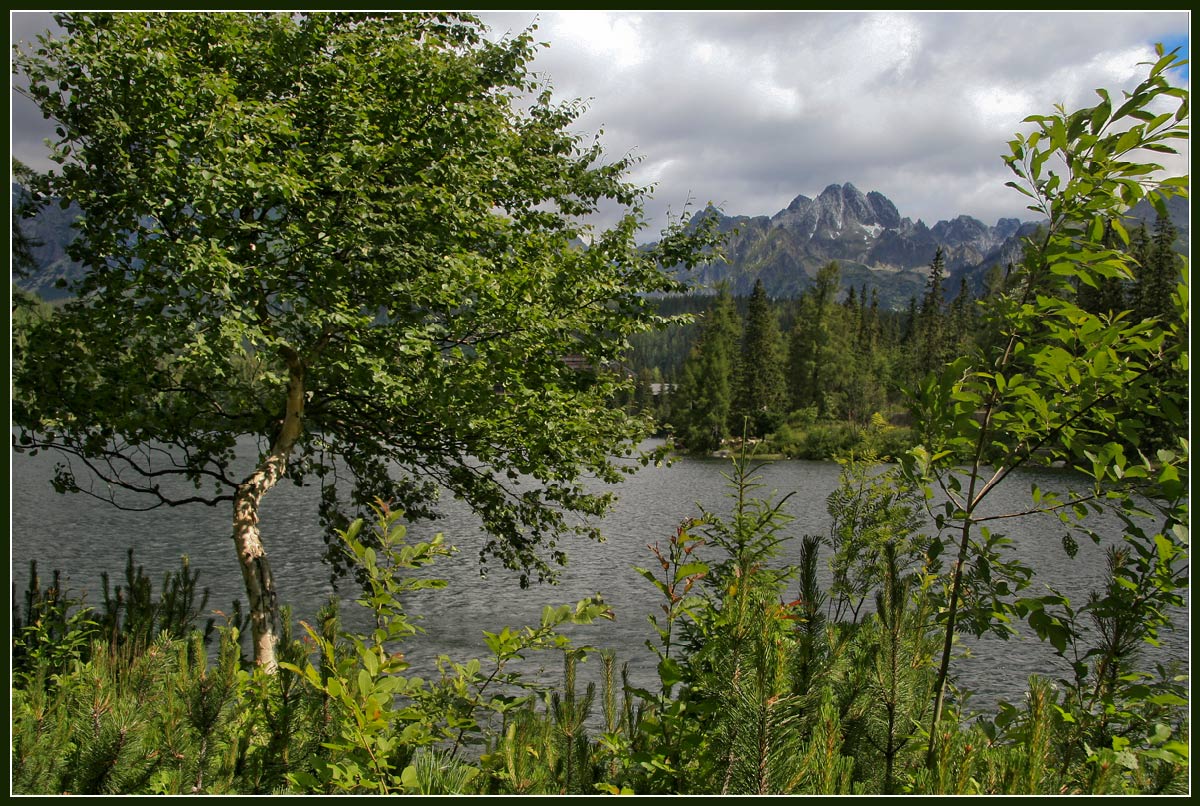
x=252, y=555
x=950, y=631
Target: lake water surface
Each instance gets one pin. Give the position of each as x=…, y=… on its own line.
x=84, y=537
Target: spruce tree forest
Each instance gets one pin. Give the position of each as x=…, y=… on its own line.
x=816, y=376
x=358, y=242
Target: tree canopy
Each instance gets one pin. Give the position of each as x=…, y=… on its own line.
x=360, y=240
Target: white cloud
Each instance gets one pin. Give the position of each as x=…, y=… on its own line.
x=612, y=40
x=995, y=104
x=755, y=108
x=752, y=108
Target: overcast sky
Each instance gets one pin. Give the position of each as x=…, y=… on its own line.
x=749, y=109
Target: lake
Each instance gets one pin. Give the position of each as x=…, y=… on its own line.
x=83, y=537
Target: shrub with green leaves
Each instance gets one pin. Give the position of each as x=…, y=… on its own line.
x=394, y=732
x=1060, y=382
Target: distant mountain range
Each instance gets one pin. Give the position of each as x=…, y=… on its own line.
x=864, y=233
x=51, y=231
x=874, y=246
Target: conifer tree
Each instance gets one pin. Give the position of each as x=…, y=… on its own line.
x=762, y=388
x=931, y=331
x=908, y=331
x=863, y=316
x=868, y=322
x=962, y=317
x=809, y=348
x=1155, y=282
x=705, y=400
x=1159, y=271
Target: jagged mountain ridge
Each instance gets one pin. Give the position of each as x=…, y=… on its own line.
x=865, y=233
x=874, y=245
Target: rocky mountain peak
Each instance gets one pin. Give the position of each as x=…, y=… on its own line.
x=865, y=233
x=844, y=205
x=837, y=208
x=801, y=202
x=886, y=214
x=1007, y=227
x=961, y=229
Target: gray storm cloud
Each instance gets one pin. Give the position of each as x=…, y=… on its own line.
x=749, y=109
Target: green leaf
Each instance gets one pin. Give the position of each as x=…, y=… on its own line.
x=366, y=685
x=409, y=780
x=669, y=671
x=370, y=663
x=690, y=569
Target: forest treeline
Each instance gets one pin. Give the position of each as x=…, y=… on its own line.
x=811, y=375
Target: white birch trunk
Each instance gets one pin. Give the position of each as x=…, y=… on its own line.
x=252, y=555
